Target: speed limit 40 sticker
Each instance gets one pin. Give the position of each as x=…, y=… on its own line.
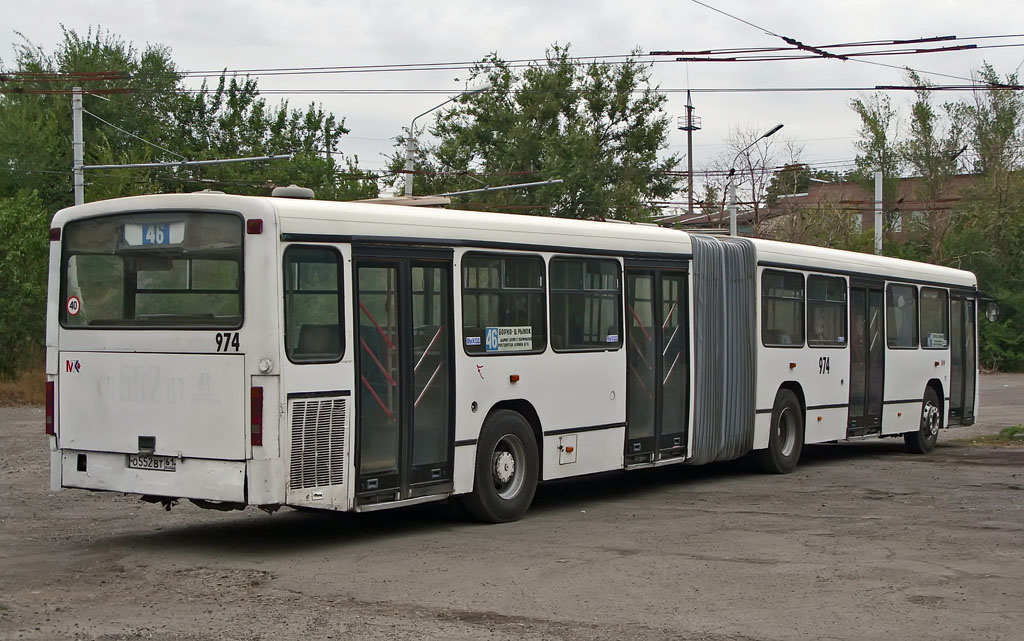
x=74, y=305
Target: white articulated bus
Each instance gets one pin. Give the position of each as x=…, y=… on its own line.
x=243, y=351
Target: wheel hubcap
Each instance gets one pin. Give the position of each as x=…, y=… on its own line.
x=930, y=420
x=507, y=472
x=504, y=467
x=786, y=432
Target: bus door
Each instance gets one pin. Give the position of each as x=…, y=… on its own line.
x=963, y=365
x=404, y=438
x=867, y=358
x=657, y=359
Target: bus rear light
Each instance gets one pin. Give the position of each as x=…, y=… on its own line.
x=54, y=233
x=256, y=415
x=50, y=412
x=254, y=226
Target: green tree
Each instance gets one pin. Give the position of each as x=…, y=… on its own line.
x=996, y=124
x=795, y=178
x=711, y=202
x=23, y=261
x=35, y=129
x=989, y=231
x=879, y=149
x=138, y=110
x=232, y=120
x=598, y=127
x=931, y=152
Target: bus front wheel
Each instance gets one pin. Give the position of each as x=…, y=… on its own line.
x=786, y=439
x=506, y=469
x=923, y=440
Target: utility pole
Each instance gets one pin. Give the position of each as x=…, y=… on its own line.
x=732, y=172
x=689, y=124
x=410, y=141
x=78, y=145
x=878, y=213
x=732, y=208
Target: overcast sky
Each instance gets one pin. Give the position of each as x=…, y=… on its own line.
x=232, y=34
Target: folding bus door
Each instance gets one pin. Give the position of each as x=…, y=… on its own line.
x=867, y=358
x=405, y=434
x=657, y=359
x=963, y=363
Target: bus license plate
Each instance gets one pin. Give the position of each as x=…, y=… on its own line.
x=156, y=463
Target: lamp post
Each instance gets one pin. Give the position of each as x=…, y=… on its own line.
x=410, y=141
x=732, y=172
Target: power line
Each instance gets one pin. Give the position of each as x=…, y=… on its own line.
x=152, y=144
x=724, y=13
x=658, y=90
x=791, y=41
x=517, y=62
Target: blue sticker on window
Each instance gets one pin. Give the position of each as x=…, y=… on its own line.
x=611, y=338
x=472, y=340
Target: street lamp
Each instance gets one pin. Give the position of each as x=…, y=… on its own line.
x=732, y=172
x=410, y=141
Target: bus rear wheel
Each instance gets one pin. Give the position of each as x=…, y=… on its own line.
x=923, y=440
x=506, y=471
x=786, y=439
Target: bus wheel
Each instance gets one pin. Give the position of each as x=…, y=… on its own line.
x=923, y=440
x=786, y=439
x=506, y=469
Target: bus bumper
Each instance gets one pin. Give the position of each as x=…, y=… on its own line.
x=193, y=478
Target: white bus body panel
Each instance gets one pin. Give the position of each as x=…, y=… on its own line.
x=567, y=390
x=907, y=372
x=306, y=383
x=193, y=404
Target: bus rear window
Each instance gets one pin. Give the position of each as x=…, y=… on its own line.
x=168, y=269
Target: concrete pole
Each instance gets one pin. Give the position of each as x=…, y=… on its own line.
x=410, y=141
x=410, y=152
x=77, y=145
x=878, y=213
x=732, y=208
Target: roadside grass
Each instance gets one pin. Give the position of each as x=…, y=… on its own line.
x=1012, y=436
x=28, y=388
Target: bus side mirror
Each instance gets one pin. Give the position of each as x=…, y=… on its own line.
x=992, y=312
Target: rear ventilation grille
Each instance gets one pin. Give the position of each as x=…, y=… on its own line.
x=318, y=442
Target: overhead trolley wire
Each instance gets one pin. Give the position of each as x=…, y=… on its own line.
x=800, y=46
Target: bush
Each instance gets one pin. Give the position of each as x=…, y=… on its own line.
x=24, y=254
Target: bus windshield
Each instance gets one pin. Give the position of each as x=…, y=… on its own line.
x=166, y=269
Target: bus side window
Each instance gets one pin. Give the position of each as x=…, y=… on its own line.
x=826, y=311
x=503, y=294
x=312, y=305
x=901, y=316
x=586, y=304
x=782, y=309
x=934, y=318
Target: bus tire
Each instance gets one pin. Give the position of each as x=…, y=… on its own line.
x=506, y=471
x=923, y=440
x=786, y=438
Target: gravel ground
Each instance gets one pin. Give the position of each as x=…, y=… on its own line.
x=862, y=542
